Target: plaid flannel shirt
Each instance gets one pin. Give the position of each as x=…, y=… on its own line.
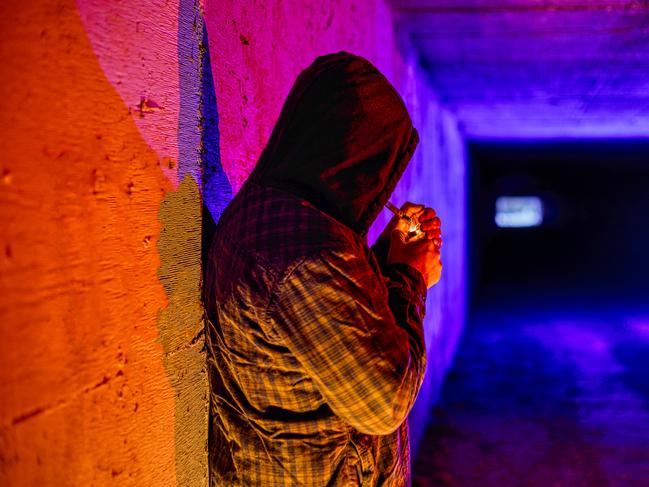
x=315, y=348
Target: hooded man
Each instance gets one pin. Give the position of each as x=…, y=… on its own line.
x=315, y=343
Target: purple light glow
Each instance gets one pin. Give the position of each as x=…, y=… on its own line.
x=640, y=326
x=519, y=69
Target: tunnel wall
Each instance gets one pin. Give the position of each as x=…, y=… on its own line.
x=116, y=117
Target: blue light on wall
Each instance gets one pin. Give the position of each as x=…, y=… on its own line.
x=519, y=211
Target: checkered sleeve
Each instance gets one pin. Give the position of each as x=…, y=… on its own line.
x=359, y=336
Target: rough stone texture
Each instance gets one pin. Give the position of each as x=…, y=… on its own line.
x=137, y=45
x=151, y=51
x=258, y=49
x=114, y=117
x=181, y=328
x=85, y=396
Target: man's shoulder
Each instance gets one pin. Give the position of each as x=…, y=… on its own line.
x=280, y=228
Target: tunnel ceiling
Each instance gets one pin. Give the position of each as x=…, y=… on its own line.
x=536, y=69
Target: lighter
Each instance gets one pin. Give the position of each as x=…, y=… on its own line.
x=414, y=230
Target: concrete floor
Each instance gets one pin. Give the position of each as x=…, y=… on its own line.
x=544, y=395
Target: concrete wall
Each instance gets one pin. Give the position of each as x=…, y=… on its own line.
x=115, y=116
x=259, y=48
x=86, y=399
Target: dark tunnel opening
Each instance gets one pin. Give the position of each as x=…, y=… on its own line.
x=592, y=241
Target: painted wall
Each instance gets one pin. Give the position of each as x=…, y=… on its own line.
x=86, y=398
x=103, y=379
x=115, y=118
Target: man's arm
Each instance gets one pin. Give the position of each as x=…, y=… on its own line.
x=360, y=341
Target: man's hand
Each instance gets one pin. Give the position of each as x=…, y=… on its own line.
x=422, y=253
x=429, y=222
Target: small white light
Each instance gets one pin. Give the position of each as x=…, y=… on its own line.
x=519, y=211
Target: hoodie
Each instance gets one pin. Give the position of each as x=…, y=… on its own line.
x=315, y=344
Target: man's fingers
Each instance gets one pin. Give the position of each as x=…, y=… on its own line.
x=424, y=242
x=412, y=209
x=434, y=223
x=430, y=226
x=434, y=234
x=421, y=212
x=426, y=215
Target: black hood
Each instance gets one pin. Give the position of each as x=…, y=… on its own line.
x=342, y=140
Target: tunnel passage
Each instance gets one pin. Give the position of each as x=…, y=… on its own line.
x=592, y=238
x=550, y=385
